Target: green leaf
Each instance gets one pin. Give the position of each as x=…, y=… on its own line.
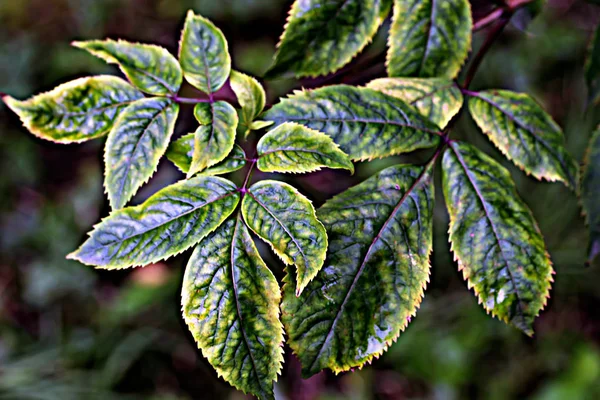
x=180, y=153
x=429, y=38
x=322, y=36
x=230, y=302
x=377, y=267
x=365, y=123
x=590, y=193
x=286, y=220
x=295, y=148
x=437, y=99
x=258, y=125
x=168, y=223
x=76, y=111
x=494, y=237
x=592, y=67
x=213, y=142
x=135, y=145
x=150, y=68
x=525, y=134
x=203, y=54
x=250, y=95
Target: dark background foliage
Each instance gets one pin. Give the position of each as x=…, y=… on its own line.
x=70, y=332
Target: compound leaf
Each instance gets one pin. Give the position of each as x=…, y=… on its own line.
x=437, y=99
x=494, y=237
x=203, y=54
x=230, y=302
x=374, y=277
x=150, y=68
x=250, y=95
x=590, y=193
x=286, y=220
x=295, y=148
x=365, y=123
x=135, y=145
x=429, y=38
x=76, y=111
x=322, y=36
x=168, y=223
x=180, y=153
x=213, y=142
x=525, y=134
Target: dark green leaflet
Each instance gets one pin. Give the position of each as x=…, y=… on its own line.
x=285, y=219
x=168, y=223
x=76, y=111
x=365, y=123
x=203, y=54
x=377, y=266
x=525, y=134
x=494, y=237
x=590, y=193
x=150, y=68
x=322, y=36
x=134, y=146
x=230, y=301
x=437, y=99
x=180, y=153
x=429, y=38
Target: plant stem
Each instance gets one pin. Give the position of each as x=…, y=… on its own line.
x=244, y=187
x=489, y=41
x=488, y=19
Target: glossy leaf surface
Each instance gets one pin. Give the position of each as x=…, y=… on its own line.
x=285, y=219
x=76, y=111
x=321, y=36
x=525, y=134
x=377, y=266
x=230, y=302
x=494, y=237
x=135, y=145
x=429, y=38
x=150, y=68
x=250, y=95
x=168, y=223
x=437, y=99
x=295, y=148
x=213, y=142
x=590, y=194
x=180, y=153
x=203, y=54
x=365, y=123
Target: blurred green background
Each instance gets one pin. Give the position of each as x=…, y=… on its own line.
x=70, y=332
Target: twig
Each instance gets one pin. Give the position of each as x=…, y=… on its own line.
x=488, y=19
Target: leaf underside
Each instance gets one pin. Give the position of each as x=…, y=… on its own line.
x=213, y=142
x=168, y=223
x=437, y=99
x=150, y=68
x=377, y=267
x=135, y=145
x=180, y=153
x=429, y=38
x=590, y=193
x=525, y=133
x=365, y=123
x=322, y=36
x=76, y=111
x=203, y=54
x=295, y=148
x=494, y=237
x=230, y=302
x=285, y=219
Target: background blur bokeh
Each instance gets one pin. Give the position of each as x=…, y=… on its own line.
x=70, y=332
